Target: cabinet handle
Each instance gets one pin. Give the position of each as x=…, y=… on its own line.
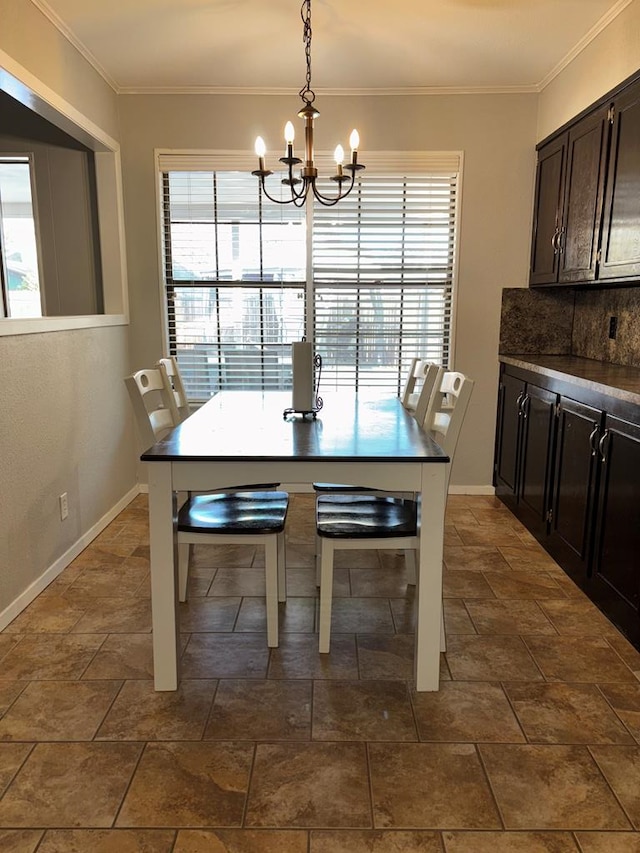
x=525, y=406
x=554, y=241
x=560, y=241
x=593, y=440
x=519, y=401
x=601, y=446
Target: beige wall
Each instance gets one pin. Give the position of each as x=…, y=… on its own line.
x=65, y=423
x=608, y=60
x=496, y=134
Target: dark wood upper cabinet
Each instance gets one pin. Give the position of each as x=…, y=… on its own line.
x=621, y=226
x=568, y=204
x=586, y=222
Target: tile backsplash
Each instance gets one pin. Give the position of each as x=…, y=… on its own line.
x=560, y=321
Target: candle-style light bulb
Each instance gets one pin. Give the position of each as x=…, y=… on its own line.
x=261, y=150
x=338, y=156
x=289, y=136
x=354, y=142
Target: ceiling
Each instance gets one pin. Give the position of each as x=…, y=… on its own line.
x=359, y=46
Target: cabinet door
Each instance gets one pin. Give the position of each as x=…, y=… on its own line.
x=621, y=224
x=536, y=455
x=510, y=396
x=584, y=188
x=547, y=212
x=616, y=575
x=576, y=466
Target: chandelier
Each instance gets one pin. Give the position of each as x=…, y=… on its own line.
x=299, y=186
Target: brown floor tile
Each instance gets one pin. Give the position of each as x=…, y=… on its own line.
x=216, y=556
x=385, y=658
x=550, y=787
x=479, y=558
x=523, y=585
x=115, y=616
x=463, y=584
x=572, y=659
x=577, y=617
x=309, y=785
x=374, y=841
x=608, y=842
x=198, y=582
x=212, y=779
x=57, y=656
x=361, y=616
x=367, y=558
x=509, y=842
x=296, y=615
x=241, y=841
x=629, y=654
x=404, y=612
x=260, y=710
x=19, y=840
x=7, y=642
x=109, y=582
x=122, y=656
x=456, y=617
x=140, y=713
x=70, y=785
x=226, y=656
x=430, y=786
x=497, y=534
x=12, y=756
x=625, y=701
x=508, y=617
x=52, y=614
x=107, y=841
x=481, y=658
x=621, y=768
x=10, y=689
x=300, y=555
x=209, y=614
x=385, y=582
x=58, y=710
x=366, y=710
x=527, y=558
x=565, y=713
x=297, y=656
x=467, y=713
x=238, y=582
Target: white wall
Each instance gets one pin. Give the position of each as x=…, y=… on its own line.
x=65, y=423
x=609, y=59
x=496, y=134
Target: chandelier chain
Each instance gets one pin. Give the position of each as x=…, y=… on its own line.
x=306, y=93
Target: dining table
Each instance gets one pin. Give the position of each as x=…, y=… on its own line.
x=245, y=437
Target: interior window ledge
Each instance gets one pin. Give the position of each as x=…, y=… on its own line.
x=39, y=325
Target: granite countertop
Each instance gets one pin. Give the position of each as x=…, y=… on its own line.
x=615, y=380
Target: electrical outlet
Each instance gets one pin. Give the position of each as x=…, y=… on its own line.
x=64, y=506
x=613, y=328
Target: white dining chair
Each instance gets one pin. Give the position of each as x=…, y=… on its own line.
x=173, y=378
x=236, y=516
x=364, y=521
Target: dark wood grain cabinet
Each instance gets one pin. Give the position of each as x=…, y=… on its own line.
x=586, y=221
x=569, y=470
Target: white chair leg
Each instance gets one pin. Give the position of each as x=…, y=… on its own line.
x=282, y=568
x=410, y=565
x=317, y=558
x=326, y=594
x=271, y=579
x=183, y=570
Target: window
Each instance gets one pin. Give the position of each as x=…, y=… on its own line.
x=379, y=291
x=18, y=246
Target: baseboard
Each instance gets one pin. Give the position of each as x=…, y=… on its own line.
x=34, y=589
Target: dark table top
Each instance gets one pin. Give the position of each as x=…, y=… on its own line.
x=248, y=425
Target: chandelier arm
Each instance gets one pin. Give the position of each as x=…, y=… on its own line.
x=276, y=200
x=327, y=201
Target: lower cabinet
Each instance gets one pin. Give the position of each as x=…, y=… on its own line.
x=570, y=471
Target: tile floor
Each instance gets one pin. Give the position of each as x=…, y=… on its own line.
x=532, y=745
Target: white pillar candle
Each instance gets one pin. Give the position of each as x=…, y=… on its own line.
x=302, y=360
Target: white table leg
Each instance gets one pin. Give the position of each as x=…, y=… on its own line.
x=429, y=580
x=164, y=604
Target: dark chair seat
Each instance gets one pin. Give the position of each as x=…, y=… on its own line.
x=364, y=517
x=337, y=487
x=235, y=512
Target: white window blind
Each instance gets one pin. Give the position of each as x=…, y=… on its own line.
x=382, y=262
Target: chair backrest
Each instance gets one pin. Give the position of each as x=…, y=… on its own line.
x=171, y=373
x=153, y=404
x=447, y=409
x=421, y=380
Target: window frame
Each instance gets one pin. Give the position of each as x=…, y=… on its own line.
x=22, y=85
x=408, y=162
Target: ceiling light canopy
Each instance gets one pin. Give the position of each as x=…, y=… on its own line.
x=299, y=186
